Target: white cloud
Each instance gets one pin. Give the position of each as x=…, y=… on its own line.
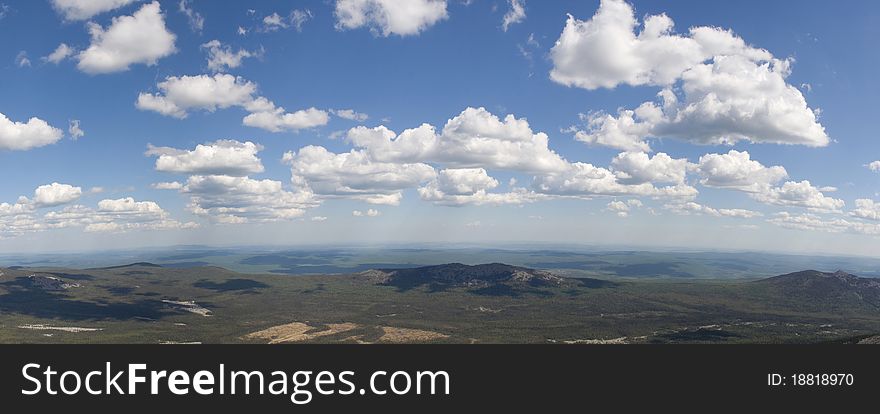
x=638, y=167
x=874, y=166
x=465, y=181
x=128, y=205
x=799, y=194
x=690, y=207
x=20, y=136
x=55, y=194
x=389, y=17
x=736, y=170
x=73, y=10
x=141, y=38
x=605, y=51
x=223, y=157
x=22, y=60
x=866, y=209
x=221, y=57
x=350, y=114
x=318, y=218
x=623, y=132
x=182, y=94
x=274, y=21
x=474, y=138
x=461, y=186
x=233, y=200
x=813, y=222
x=115, y=216
x=171, y=185
x=354, y=175
x=516, y=14
x=477, y=139
x=369, y=213
x=277, y=119
x=730, y=91
x=585, y=180
x=22, y=206
x=299, y=17
x=179, y=95
x=619, y=208
x=111, y=215
x=74, y=129
x=63, y=51
x=196, y=21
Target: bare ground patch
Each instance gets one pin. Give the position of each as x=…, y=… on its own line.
x=299, y=332
x=396, y=335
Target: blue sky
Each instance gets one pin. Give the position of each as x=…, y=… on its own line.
x=790, y=87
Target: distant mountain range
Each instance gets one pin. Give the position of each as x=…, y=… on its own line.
x=838, y=287
x=462, y=275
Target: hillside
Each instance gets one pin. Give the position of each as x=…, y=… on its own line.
x=836, y=288
x=461, y=275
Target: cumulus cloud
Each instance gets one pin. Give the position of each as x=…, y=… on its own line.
x=369, y=213
x=623, y=132
x=638, y=167
x=350, y=114
x=585, y=180
x=55, y=194
x=813, y=222
x=141, y=38
x=461, y=186
x=354, y=175
x=115, y=216
x=736, y=170
x=21, y=136
x=866, y=209
x=474, y=138
x=73, y=10
x=223, y=157
x=477, y=140
x=222, y=58
x=231, y=200
x=63, y=51
x=110, y=215
x=874, y=166
x=389, y=17
x=606, y=51
x=168, y=185
x=179, y=95
x=277, y=119
x=619, y=208
x=690, y=207
x=799, y=194
x=728, y=91
x=516, y=14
